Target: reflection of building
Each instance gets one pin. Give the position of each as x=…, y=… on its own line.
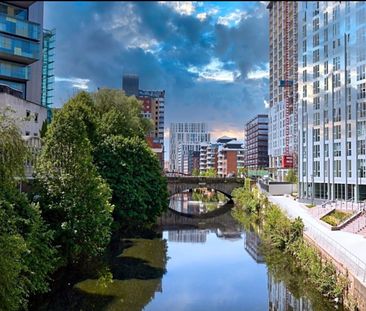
x=181, y=202
x=252, y=244
x=185, y=137
x=188, y=236
x=281, y=299
x=229, y=234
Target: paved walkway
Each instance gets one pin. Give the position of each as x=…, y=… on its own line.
x=347, y=248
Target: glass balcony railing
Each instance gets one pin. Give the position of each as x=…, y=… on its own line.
x=13, y=70
x=16, y=48
x=19, y=27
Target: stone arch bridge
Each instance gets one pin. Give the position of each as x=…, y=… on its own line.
x=224, y=185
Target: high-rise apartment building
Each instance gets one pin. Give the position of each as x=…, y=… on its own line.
x=183, y=138
x=282, y=148
x=332, y=100
x=130, y=84
x=256, y=145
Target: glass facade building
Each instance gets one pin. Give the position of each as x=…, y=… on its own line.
x=20, y=47
x=332, y=100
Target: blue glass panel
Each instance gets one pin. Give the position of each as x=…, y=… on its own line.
x=19, y=47
x=13, y=70
x=19, y=27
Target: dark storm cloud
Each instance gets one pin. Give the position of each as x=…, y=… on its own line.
x=98, y=41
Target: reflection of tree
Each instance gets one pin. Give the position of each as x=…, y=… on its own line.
x=137, y=274
x=282, y=268
x=207, y=195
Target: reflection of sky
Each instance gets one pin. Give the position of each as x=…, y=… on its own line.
x=217, y=275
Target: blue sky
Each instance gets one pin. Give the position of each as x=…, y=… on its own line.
x=210, y=57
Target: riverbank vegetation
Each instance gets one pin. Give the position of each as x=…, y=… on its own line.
x=278, y=232
x=95, y=177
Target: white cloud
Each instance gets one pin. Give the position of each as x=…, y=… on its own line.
x=182, y=7
x=233, y=18
x=202, y=16
x=75, y=82
x=259, y=73
x=214, y=71
x=266, y=104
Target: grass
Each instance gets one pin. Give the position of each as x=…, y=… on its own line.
x=310, y=205
x=334, y=218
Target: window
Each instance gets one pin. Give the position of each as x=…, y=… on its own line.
x=315, y=71
x=316, y=169
x=325, y=18
x=349, y=148
x=326, y=67
x=361, y=72
x=336, y=63
x=337, y=168
x=326, y=168
x=304, y=46
x=361, y=147
x=36, y=117
x=316, y=134
x=337, y=80
x=349, y=130
x=27, y=133
x=326, y=150
x=27, y=113
x=361, y=110
x=316, y=104
x=325, y=51
x=349, y=94
x=325, y=116
x=337, y=149
x=304, y=30
x=316, y=24
x=326, y=133
x=304, y=62
x=304, y=91
x=336, y=114
x=316, y=56
x=326, y=35
x=361, y=91
x=326, y=97
x=316, y=87
x=337, y=132
x=335, y=30
x=316, y=118
x=304, y=76
x=362, y=168
x=349, y=112
x=326, y=84
x=361, y=128
x=349, y=168
x=316, y=151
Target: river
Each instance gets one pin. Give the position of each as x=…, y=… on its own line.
x=215, y=265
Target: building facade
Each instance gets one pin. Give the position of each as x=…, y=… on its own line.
x=332, y=100
x=185, y=137
x=230, y=158
x=130, y=84
x=256, y=145
x=283, y=120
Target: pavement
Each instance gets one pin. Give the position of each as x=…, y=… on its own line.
x=339, y=244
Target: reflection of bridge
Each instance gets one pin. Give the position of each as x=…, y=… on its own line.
x=221, y=184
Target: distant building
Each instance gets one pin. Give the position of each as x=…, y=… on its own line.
x=191, y=161
x=257, y=142
x=185, y=137
x=230, y=158
x=157, y=148
x=130, y=84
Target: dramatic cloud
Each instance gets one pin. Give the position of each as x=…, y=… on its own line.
x=210, y=57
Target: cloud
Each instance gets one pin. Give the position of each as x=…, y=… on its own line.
x=182, y=7
x=259, y=73
x=202, y=16
x=233, y=18
x=75, y=82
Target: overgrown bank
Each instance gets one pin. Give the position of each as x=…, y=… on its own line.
x=279, y=233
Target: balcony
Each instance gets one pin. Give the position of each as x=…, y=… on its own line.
x=19, y=50
x=14, y=71
x=18, y=27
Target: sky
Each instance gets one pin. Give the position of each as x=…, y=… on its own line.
x=211, y=58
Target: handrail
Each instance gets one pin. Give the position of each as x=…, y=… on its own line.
x=349, y=260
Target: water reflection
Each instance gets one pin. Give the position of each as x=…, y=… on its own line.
x=188, y=236
x=197, y=201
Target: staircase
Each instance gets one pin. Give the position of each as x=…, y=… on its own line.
x=321, y=210
x=357, y=225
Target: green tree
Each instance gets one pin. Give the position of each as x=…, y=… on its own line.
x=119, y=115
x=27, y=257
x=134, y=174
x=291, y=176
x=77, y=201
x=211, y=172
x=242, y=171
x=195, y=172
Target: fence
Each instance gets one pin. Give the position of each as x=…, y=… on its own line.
x=338, y=252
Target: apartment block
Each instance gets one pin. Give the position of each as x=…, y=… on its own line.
x=230, y=158
x=183, y=138
x=256, y=145
x=332, y=100
x=283, y=120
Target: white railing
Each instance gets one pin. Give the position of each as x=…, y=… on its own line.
x=338, y=252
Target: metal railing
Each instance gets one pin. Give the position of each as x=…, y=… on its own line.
x=338, y=252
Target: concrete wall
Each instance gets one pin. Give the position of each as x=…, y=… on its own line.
x=17, y=108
